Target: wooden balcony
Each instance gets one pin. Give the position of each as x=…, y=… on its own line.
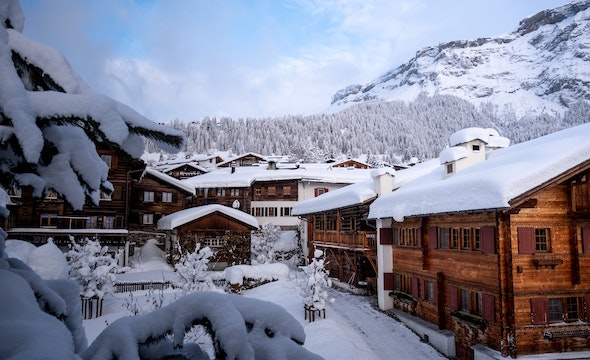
x=361, y=240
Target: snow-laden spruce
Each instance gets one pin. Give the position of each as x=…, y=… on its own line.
x=263, y=243
x=315, y=293
x=192, y=270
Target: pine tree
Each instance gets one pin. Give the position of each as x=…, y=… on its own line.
x=263, y=243
x=315, y=294
x=192, y=270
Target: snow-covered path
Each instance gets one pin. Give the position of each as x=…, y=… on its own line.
x=387, y=337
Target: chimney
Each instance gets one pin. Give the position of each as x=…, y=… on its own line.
x=272, y=165
x=383, y=180
x=233, y=167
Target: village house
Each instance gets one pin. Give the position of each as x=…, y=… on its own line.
x=35, y=219
x=488, y=253
x=227, y=231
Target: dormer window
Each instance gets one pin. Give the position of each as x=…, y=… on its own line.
x=475, y=148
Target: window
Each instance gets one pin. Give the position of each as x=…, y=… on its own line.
x=48, y=220
x=572, y=308
x=319, y=191
x=542, y=240
x=257, y=191
x=235, y=192
x=443, y=238
x=476, y=240
x=214, y=242
x=51, y=194
x=272, y=190
x=466, y=240
x=220, y=191
x=286, y=211
x=556, y=310
x=272, y=211
x=449, y=168
x=166, y=197
x=477, y=303
x=108, y=159
x=454, y=238
x=148, y=196
x=465, y=304
x=287, y=190
x=429, y=291
x=147, y=219
x=475, y=148
x=105, y=195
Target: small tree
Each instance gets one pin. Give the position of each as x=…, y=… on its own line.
x=315, y=294
x=192, y=270
x=263, y=243
x=91, y=266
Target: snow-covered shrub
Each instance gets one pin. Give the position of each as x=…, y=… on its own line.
x=193, y=270
x=91, y=266
x=247, y=276
x=287, y=249
x=263, y=243
x=314, y=288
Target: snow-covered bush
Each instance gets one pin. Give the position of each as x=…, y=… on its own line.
x=314, y=288
x=192, y=270
x=263, y=243
x=287, y=250
x=91, y=266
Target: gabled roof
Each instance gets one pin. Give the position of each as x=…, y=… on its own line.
x=353, y=163
x=170, y=180
x=250, y=154
x=492, y=184
x=179, y=218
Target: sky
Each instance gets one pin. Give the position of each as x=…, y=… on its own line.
x=187, y=59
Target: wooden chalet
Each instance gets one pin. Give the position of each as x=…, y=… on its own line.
x=225, y=230
x=184, y=171
x=337, y=224
x=248, y=159
x=153, y=196
x=351, y=163
x=493, y=258
x=36, y=219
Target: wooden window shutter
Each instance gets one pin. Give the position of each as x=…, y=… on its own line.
x=526, y=240
x=419, y=237
x=388, y=281
x=385, y=236
x=586, y=239
x=435, y=293
x=315, y=192
x=488, y=239
x=488, y=306
x=453, y=297
x=539, y=311
x=415, y=287
x=432, y=237
x=587, y=308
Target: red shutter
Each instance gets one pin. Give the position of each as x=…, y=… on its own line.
x=586, y=239
x=539, y=311
x=315, y=192
x=415, y=288
x=526, y=240
x=488, y=306
x=388, y=281
x=432, y=238
x=453, y=298
x=385, y=236
x=488, y=239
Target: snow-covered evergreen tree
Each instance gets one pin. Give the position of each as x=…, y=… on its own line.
x=314, y=288
x=192, y=270
x=263, y=243
x=91, y=266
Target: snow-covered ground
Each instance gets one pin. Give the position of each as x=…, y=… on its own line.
x=353, y=329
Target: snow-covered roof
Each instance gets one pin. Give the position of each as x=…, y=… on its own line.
x=360, y=192
x=468, y=134
x=262, y=157
x=179, y=218
x=170, y=180
x=491, y=184
x=452, y=154
x=246, y=175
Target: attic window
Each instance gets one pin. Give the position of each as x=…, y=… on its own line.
x=449, y=168
x=475, y=148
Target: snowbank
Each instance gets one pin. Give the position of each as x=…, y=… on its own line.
x=235, y=275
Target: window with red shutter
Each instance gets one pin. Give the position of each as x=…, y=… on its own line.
x=453, y=297
x=432, y=237
x=488, y=239
x=488, y=311
x=385, y=236
x=388, y=281
x=586, y=239
x=526, y=240
x=539, y=311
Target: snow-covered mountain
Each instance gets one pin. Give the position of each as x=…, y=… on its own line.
x=542, y=66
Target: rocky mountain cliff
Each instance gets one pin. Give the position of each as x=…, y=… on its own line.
x=541, y=67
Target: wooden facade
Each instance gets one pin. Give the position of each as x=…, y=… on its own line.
x=516, y=280
x=348, y=241
x=185, y=171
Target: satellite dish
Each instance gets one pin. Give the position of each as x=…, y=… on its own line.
x=236, y=204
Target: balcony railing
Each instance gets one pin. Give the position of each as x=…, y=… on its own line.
x=351, y=240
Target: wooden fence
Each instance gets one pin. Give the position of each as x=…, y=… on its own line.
x=142, y=285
